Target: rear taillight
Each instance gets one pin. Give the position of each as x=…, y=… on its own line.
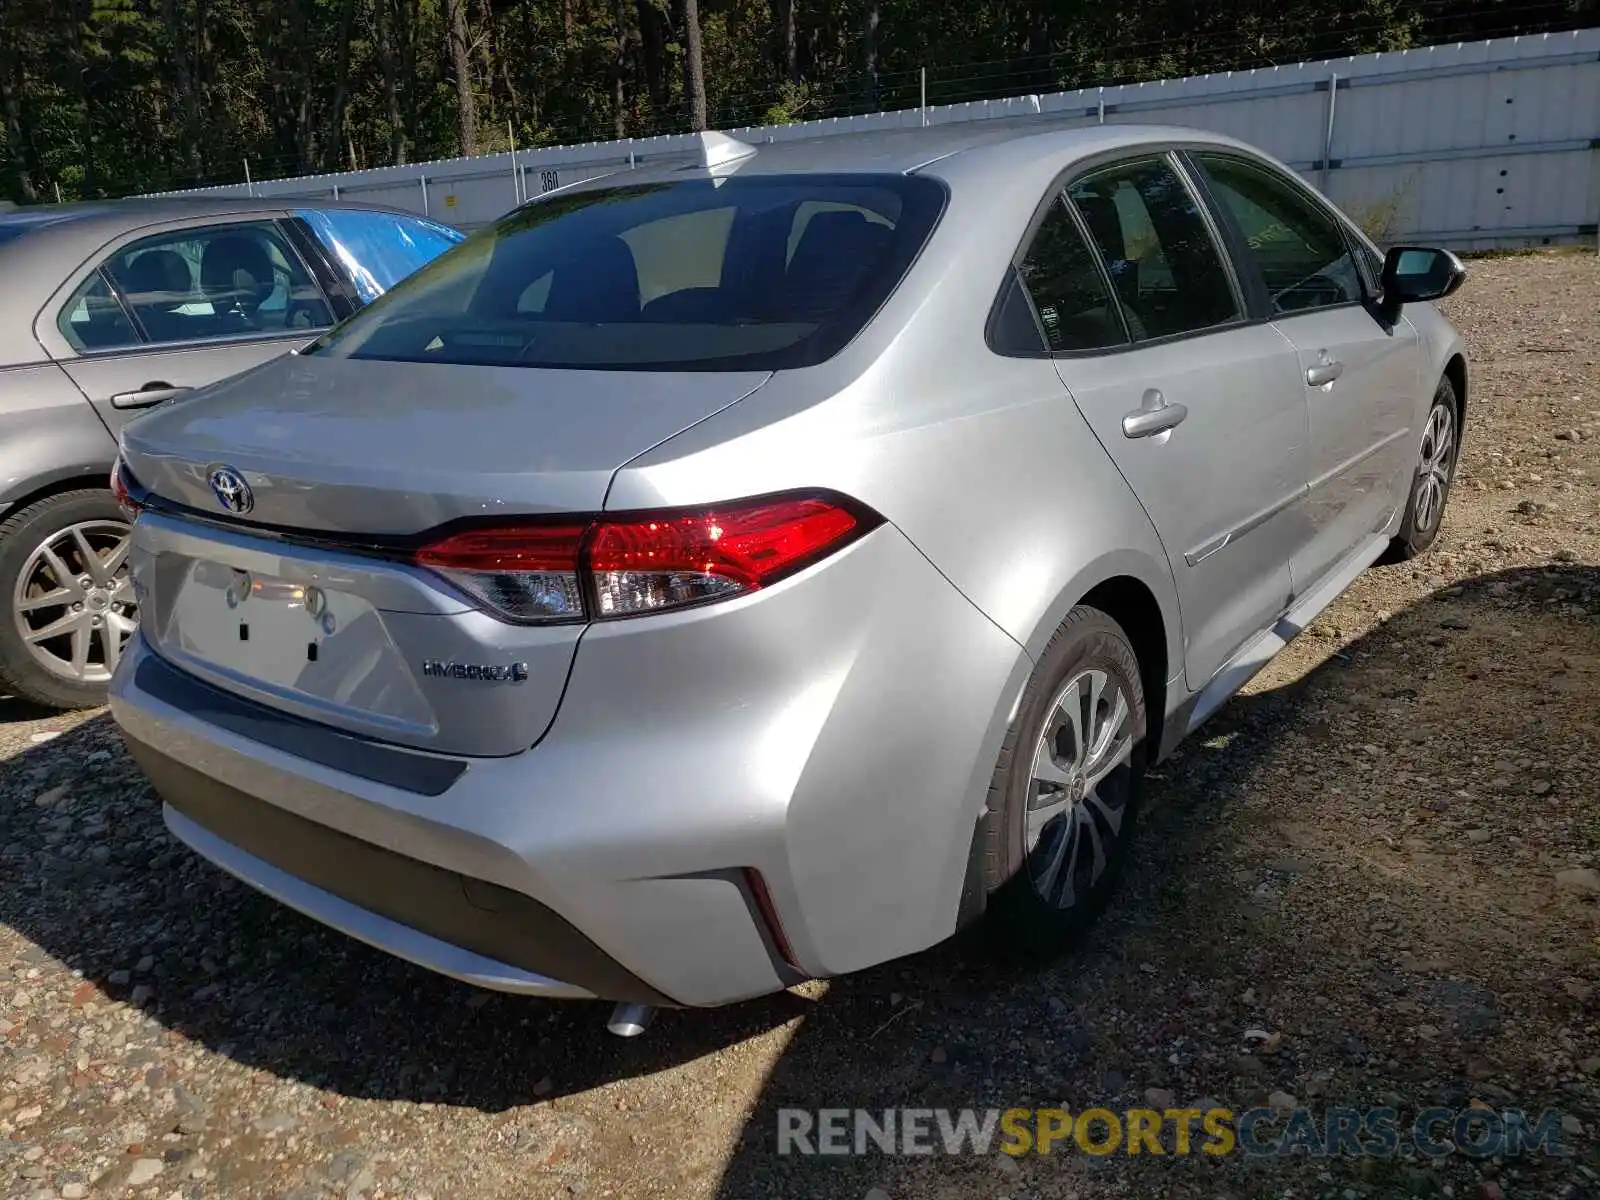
x=527, y=573
x=122, y=482
x=623, y=564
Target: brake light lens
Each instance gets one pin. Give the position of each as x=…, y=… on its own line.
x=647, y=564
x=120, y=477
x=629, y=564
x=527, y=573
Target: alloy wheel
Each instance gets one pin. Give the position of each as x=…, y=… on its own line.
x=1078, y=790
x=74, y=604
x=1433, y=471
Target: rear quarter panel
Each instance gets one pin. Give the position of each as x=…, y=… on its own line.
x=48, y=433
x=984, y=464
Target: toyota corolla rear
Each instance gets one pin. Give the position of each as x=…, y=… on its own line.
x=402, y=665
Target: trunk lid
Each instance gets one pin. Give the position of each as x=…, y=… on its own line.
x=358, y=446
x=372, y=645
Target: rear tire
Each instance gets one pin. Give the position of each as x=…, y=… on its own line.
x=63, y=566
x=1435, y=474
x=1064, y=800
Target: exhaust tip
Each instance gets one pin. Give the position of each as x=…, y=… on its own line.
x=630, y=1020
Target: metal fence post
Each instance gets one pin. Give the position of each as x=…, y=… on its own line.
x=516, y=176
x=423, y=180
x=924, y=95
x=1327, y=140
x=249, y=188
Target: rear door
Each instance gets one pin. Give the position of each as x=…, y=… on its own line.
x=1359, y=377
x=162, y=313
x=1200, y=408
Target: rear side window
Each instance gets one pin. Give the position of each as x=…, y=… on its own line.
x=1069, y=296
x=221, y=281
x=378, y=249
x=1162, y=260
x=739, y=273
x=1300, y=249
x=93, y=320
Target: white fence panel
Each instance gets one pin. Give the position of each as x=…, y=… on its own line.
x=1480, y=144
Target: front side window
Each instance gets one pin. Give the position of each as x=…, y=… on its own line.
x=1300, y=249
x=1160, y=255
x=220, y=281
x=1074, y=306
x=378, y=249
x=93, y=320
x=738, y=273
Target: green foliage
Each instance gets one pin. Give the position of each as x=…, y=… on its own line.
x=109, y=97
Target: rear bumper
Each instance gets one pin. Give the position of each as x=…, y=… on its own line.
x=474, y=930
x=835, y=733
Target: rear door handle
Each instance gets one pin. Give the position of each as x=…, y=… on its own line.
x=150, y=393
x=1156, y=416
x=1324, y=373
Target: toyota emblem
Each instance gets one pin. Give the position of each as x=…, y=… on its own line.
x=230, y=489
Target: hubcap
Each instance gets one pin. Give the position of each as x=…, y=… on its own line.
x=74, y=603
x=1078, y=790
x=1433, y=472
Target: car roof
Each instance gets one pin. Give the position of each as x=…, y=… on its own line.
x=110, y=217
x=943, y=150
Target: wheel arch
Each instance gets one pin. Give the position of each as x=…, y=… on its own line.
x=1131, y=604
x=1455, y=370
x=1135, y=589
x=45, y=484
x=1138, y=593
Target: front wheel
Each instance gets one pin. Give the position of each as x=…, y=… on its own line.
x=1064, y=799
x=1435, y=472
x=70, y=604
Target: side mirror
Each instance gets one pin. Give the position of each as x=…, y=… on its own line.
x=1416, y=273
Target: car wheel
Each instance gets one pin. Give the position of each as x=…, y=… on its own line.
x=1064, y=800
x=1435, y=472
x=70, y=603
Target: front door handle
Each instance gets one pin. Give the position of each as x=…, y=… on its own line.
x=1324, y=372
x=150, y=393
x=1155, y=416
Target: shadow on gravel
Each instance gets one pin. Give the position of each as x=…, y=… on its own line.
x=1156, y=996
x=13, y=708
x=92, y=878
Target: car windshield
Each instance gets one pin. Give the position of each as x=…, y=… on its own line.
x=735, y=273
x=379, y=249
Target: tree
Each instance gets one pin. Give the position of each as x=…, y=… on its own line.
x=694, y=70
x=869, y=50
x=461, y=66
x=120, y=96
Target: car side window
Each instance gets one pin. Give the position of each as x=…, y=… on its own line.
x=1069, y=293
x=93, y=319
x=1300, y=249
x=221, y=281
x=1157, y=249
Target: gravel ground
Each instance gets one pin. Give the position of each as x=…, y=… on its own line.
x=1379, y=861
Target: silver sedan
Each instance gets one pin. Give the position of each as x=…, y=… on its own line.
x=711, y=578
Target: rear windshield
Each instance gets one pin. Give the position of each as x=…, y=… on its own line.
x=755, y=273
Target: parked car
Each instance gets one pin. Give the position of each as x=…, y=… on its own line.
x=108, y=309
x=711, y=578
